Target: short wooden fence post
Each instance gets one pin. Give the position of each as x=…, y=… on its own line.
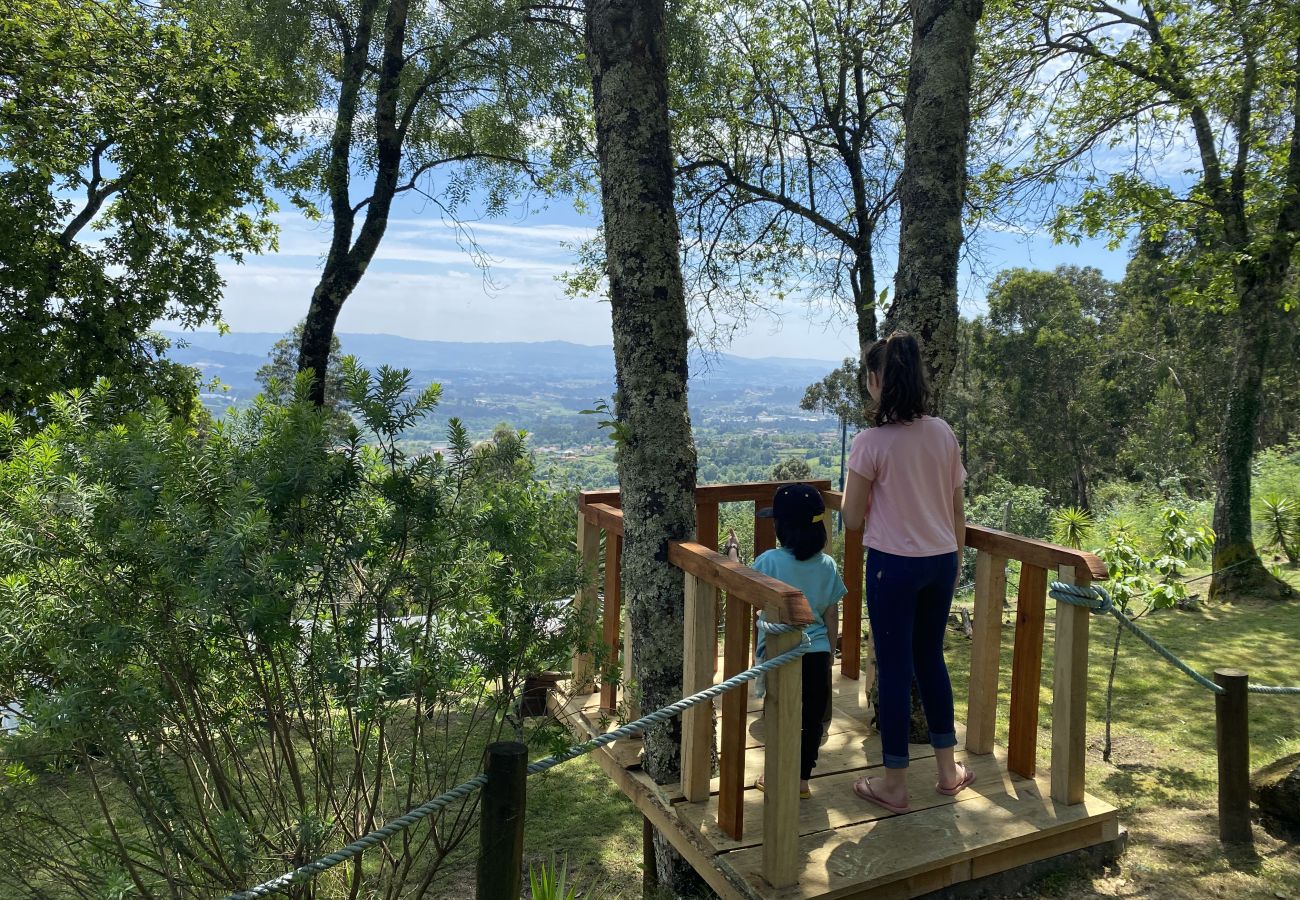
x=1070, y=696
x=1232, y=738
x=501, y=822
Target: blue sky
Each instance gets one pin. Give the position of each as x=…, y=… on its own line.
x=424, y=283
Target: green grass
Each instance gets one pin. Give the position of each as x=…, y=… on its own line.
x=1162, y=775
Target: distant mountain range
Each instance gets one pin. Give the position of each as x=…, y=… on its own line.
x=516, y=382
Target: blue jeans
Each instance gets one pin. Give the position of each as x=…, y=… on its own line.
x=908, y=599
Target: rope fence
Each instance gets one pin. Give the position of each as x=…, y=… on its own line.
x=1098, y=601
x=463, y=790
x=1093, y=598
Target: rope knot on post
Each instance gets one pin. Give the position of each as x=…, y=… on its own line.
x=1094, y=599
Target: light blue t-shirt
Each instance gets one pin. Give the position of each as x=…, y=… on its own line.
x=820, y=581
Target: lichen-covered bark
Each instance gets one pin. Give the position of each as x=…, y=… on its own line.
x=1260, y=279
x=656, y=453
x=932, y=186
x=1239, y=571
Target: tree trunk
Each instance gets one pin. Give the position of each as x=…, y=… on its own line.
x=1260, y=280
x=1234, y=544
x=347, y=260
x=932, y=186
x=656, y=453
x=863, y=280
x=1110, y=690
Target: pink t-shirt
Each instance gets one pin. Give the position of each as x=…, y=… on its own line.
x=915, y=468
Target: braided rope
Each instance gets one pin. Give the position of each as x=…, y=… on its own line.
x=363, y=843
x=461, y=791
x=1097, y=601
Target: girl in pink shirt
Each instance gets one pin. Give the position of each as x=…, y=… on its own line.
x=905, y=480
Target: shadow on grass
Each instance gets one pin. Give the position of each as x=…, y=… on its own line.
x=1158, y=785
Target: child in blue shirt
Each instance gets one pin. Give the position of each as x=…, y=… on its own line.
x=800, y=515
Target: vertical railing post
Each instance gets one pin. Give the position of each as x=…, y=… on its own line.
x=986, y=651
x=781, y=727
x=501, y=822
x=735, y=708
x=851, y=630
x=699, y=649
x=588, y=598
x=706, y=533
x=764, y=531
x=613, y=599
x=1232, y=739
x=764, y=540
x=1027, y=670
x=1070, y=695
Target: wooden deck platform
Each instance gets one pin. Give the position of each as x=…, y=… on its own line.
x=851, y=848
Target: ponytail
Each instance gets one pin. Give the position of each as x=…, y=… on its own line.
x=904, y=390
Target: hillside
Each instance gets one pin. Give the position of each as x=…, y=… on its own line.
x=537, y=386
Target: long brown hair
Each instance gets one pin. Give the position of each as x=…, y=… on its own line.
x=904, y=389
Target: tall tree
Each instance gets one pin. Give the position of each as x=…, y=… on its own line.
x=789, y=132
x=458, y=102
x=130, y=138
x=656, y=453
x=840, y=394
x=932, y=187
x=278, y=376
x=1039, y=346
x=1214, y=88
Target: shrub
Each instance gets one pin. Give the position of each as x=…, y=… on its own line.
x=252, y=645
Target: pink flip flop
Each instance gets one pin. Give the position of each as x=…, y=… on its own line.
x=967, y=779
x=862, y=787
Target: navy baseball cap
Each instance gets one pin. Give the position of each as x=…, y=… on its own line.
x=798, y=503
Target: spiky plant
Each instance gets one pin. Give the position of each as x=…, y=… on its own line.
x=1071, y=526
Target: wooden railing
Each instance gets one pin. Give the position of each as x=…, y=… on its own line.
x=747, y=592
x=1070, y=680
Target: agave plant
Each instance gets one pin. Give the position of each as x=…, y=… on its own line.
x=549, y=881
x=1281, y=519
x=1071, y=526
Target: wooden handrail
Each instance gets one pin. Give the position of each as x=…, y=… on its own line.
x=1014, y=546
x=602, y=515
x=1035, y=553
x=740, y=581
x=754, y=491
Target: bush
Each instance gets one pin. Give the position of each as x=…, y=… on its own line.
x=253, y=646
x=1017, y=508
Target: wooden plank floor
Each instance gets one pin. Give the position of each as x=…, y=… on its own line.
x=853, y=848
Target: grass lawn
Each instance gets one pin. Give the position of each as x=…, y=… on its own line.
x=1162, y=772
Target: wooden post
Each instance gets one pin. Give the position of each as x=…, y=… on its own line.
x=613, y=601
x=1027, y=670
x=986, y=651
x=706, y=533
x=649, y=866
x=764, y=540
x=501, y=822
x=588, y=596
x=781, y=723
x=735, y=705
x=851, y=629
x=1070, y=695
x=1232, y=738
x=699, y=650
x=764, y=531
